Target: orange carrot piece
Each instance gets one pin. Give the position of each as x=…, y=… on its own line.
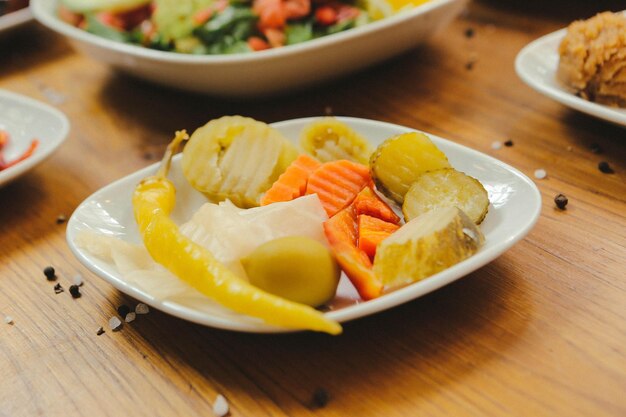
x=368, y=202
x=292, y=183
x=257, y=44
x=203, y=15
x=372, y=231
x=337, y=183
x=341, y=233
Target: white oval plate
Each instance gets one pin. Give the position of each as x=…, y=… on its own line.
x=26, y=119
x=264, y=72
x=515, y=207
x=536, y=65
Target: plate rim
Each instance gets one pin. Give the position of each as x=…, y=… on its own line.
x=36, y=158
x=15, y=19
x=52, y=22
x=562, y=96
x=353, y=312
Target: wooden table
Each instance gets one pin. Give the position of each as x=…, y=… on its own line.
x=541, y=331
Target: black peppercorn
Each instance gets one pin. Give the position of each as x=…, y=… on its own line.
x=123, y=310
x=508, y=143
x=605, y=168
x=561, y=201
x=49, y=273
x=75, y=291
x=320, y=398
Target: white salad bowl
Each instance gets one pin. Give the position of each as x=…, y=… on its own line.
x=515, y=204
x=265, y=72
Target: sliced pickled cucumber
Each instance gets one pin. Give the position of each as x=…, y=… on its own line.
x=399, y=161
x=426, y=245
x=236, y=158
x=446, y=188
x=329, y=140
x=86, y=6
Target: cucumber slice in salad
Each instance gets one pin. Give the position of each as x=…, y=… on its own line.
x=87, y=6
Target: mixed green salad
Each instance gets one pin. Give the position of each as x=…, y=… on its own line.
x=223, y=26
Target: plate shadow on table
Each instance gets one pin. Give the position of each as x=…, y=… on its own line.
x=413, y=342
x=137, y=101
x=20, y=200
x=29, y=47
x=565, y=10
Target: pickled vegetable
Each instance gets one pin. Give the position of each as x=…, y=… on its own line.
x=337, y=183
x=236, y=158
x=329, y=139
x=446, y=188
x=372, y=231
x=297, y=268
x=341, y=232
x=153, y=201
x=426, y=245
x=292, y=183
x=399, y=161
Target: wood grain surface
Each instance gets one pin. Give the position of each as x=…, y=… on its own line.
x=541, y=331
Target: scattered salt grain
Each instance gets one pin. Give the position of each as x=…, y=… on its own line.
x=328, y=110
x=496, y=145
x=142, y=309
x=569, y=149
x=130, y=317
x=220, y=406
x=78, y=280
x=8, y=319
x=540, y=174
x=115, y=323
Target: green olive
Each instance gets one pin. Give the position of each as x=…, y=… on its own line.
x=297, y=268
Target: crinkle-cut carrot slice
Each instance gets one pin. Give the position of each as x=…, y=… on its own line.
x=341, y=232
x=372, y=231
x=337, y=183
x=292, y=183
x=368, y=202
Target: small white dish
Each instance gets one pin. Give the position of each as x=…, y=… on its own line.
x=15, y=19
x=265, y=72
x=537, y=64
x=515, y=207
x=26, y=119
